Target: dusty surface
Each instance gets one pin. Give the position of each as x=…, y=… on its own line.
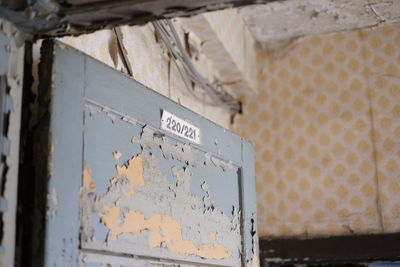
x=276, y=24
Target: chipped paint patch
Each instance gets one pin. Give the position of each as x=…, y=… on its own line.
x=255, y=262
x=221, y=163
x=110, y=113
x=114, y=180
x=224, y=165
x=87, y=180
x=133, y=171
x=117, y=155
x=312, y=17
x=162, y=216
x=93, y=110
x=162, y=229
x=182, y=152
x=213, y=236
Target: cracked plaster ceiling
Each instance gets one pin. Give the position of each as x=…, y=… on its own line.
x=276, y=24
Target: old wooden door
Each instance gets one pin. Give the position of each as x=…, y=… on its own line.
x=123, y=191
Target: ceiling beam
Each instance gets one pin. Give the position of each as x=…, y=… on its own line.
x=43, y=18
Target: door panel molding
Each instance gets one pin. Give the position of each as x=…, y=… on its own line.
x=108, y=168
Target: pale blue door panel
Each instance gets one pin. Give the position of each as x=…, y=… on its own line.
x=5, y=107
x=129, y=192
x=206, y=217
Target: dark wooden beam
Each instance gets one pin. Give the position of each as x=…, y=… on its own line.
x=340, y=249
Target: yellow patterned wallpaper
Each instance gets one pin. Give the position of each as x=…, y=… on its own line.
x=326, y=128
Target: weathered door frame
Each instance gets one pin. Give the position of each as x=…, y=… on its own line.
x=65, y=139
x=57, y=18
x=11, y=82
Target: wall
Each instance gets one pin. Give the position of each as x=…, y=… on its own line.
x=150, y=64
x=277, y=23
x=323, y=122
x=326, y=128
x=229, y=66
x=11, y=68
x=153, y=67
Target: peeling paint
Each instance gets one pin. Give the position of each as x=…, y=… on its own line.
x=149, y=201
x=110, y=114
x=182, y=152
x=133, y=171
x=87, y=180
x=224, y=165
x=93, y=110
x=213, y=236
x=255, y=262
x=221, y=163
x=116, y=155
x=162, y=229
x=52, y=204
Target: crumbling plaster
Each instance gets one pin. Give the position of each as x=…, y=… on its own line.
x=151, y=66
x=278, y=23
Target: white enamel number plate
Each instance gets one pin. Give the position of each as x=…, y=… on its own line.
x=175, y=125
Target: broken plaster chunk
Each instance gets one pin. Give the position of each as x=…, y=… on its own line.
x=176, y=173
x=208, y=202
x=148, y=138
x=183, y=177
x=87, y=180
x=135, y=140
x=181, y=152
x=133, y=171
